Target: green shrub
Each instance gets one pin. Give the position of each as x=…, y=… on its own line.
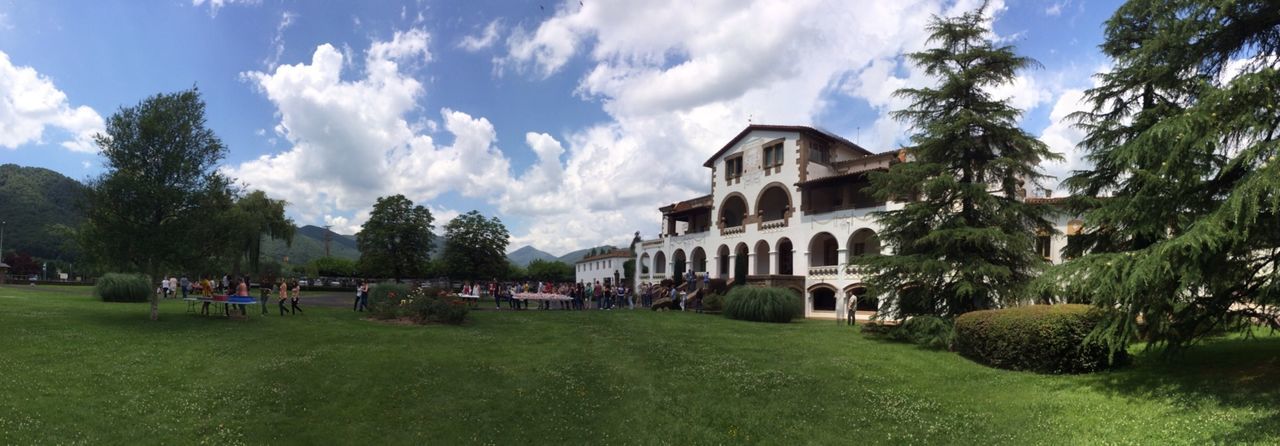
x=1039, y=338
x=762, y=304
x=385, y=299
x=115, y=287
x=713, y=302
x=433, y=305
x=929, y=331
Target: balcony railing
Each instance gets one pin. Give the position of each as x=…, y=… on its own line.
x=826, y=270
x=733, y=230
x=774, y=224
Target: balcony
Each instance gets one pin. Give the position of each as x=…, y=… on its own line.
x=775, y=224
x=824, y=271
x=733, y=230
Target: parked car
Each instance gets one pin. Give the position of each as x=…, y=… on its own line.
x=303, y=282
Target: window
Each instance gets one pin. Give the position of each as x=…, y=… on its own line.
x=1044, y=246
x=773, y=156
x=818, y=154
x=733, y=168
x=859, y=248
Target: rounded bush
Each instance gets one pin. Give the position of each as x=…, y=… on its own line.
x=116, y=287
x=385, y=299
x=1038, y=338
x=713, y=302
x=762, y=304
x=928, y=331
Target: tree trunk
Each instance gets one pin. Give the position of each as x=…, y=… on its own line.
x=155, y=299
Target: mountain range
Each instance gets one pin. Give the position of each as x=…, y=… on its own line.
x=34, y=201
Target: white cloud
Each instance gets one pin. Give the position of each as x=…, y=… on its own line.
x=351, y=141
x=486, y=38
x=1055, y=9
x=1062, y=136
x=277, y=42
x=677, y=95
x=215, y=5
x=30, y=103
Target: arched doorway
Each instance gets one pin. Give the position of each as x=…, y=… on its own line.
x=823, y=250
x=679, y=264
x=723, y=259
x=698, y=260
x=660, y=263
x=863, y=242
x=734, y=210
x=762, y=258
x=785, y=249
x=740, y=263
x=773, y=202
x=864, y=301
x=822, y=297
x=645, y=263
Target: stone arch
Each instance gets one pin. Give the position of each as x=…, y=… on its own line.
x=646, y=264
x=679, y=263
x=733, y=210
x=698, y=260
x=724, y=268
x=660, y=263
x=823, y=250
x=863, y=242
x=863, y=300
x=762, y=258
x=822, y=297
x=785, y=264
x=740, y=264
x=774, y=202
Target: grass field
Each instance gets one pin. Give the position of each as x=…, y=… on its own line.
x=73, y=370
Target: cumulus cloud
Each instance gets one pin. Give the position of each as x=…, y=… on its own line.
x=677, y=95
x=30, y=104
x=485, y=39
x=351, y=141
x=1062, y=136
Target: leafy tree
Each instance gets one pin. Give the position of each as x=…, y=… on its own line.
x=21, y=263
x=1183, y=137
x=396, y=239
x=967, y=242
x=258, y=216
x=332, y=267
x=157, y=205
x=476, y=247
x=555, y=271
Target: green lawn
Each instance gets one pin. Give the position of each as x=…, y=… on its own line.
x=73, y=370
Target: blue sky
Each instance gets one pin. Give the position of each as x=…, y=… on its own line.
x=571, y=121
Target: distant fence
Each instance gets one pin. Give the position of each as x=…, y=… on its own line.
x=25, y=280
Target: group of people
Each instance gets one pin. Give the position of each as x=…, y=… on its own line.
x=570, y=296
x=289, y=292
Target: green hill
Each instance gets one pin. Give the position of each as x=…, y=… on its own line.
x=32, y=201
x=308, y=244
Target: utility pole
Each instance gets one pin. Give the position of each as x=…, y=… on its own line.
x=328, y=237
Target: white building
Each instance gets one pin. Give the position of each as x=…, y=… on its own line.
x=786, y=209
x=604, y=268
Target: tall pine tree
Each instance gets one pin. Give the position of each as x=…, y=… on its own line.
x=964, y=240
x=1182, y=135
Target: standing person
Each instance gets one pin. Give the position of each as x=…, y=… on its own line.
x=297, y=294
x=284, y=296
x=606, y=298
x=164, y=287
x=264, y=294
x=493, y=291
x=206, y=291
x=173, y=286
x=355, y=305
x=364, y=296
x=185, y=285
x=242, y=291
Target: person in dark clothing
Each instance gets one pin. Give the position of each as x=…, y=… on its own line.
x=297, y=294
x=264, y=294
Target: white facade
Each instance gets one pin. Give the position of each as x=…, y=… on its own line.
x=803, y=219
x=602, y=268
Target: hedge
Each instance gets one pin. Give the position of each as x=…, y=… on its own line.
x=115, y=287
x=762, y=304
x=1038, y=338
